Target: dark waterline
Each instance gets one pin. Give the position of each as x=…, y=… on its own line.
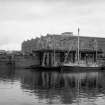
x=28, y=87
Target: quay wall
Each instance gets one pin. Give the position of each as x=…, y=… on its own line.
x=20, y=61
x=25, y=61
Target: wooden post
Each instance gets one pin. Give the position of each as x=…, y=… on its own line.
x=78, y=45
x=48, y=59
x=43, y=59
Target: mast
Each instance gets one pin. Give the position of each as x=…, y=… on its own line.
x=96, y=49
x=54, y=51
x=78, y=46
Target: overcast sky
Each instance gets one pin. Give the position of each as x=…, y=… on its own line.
x=26, y=19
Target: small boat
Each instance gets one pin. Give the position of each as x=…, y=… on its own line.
x=81, y=67
x=78, y=66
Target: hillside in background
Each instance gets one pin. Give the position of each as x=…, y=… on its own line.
x=65, y=41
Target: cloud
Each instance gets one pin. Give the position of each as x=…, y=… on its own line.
x=10, y=46
x=43, y=10
x=21, y=20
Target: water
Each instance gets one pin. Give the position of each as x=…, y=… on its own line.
x=27, y=87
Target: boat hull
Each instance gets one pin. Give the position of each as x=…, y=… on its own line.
x=79, y=69
x=46, y=68
x=66, y=68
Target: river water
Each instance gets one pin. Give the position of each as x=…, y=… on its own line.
x=30, y=87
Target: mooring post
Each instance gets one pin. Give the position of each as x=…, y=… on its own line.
x=52, y=60
x=47, y=59
x=43, y=59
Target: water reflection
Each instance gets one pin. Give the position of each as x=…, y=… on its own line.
x=64, y=87
x=7, y=73
x=54, y=87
